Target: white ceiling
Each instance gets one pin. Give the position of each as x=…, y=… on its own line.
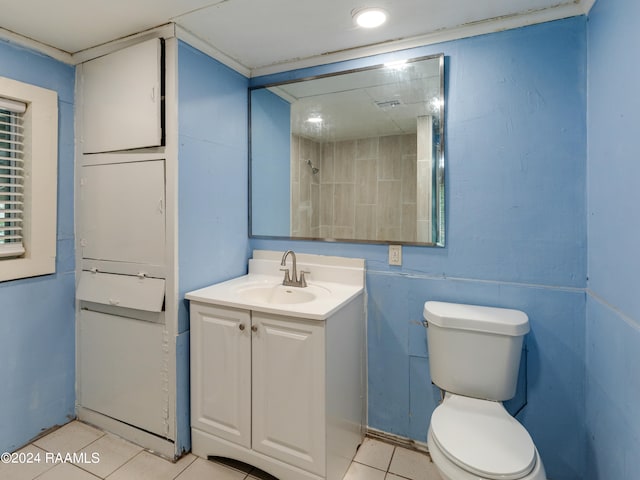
x=273, y=35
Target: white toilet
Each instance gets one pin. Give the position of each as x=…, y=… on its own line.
x=474, y=356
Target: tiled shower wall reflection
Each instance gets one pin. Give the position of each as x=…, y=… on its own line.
x=364, y=189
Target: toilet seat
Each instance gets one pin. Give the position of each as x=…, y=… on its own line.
x=481, y=437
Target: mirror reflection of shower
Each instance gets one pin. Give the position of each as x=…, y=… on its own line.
x=314, y=170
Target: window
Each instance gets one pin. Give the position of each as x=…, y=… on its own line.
x=11, y=177
x=28, y=179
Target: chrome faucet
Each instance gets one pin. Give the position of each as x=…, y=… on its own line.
x=292, y=281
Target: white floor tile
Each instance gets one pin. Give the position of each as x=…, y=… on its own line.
x=68, y=439
x=66, y=471
x=112, y=452
x=201, y=469
x=358, y=471
x=375, y=453
x=30, y=463
x=413, y=465
x=260, y=475
x=146, y=466
x=122, y=460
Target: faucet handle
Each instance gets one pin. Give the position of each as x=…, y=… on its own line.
x=302, y=280
x=287, y=276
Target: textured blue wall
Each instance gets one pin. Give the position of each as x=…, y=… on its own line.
x=37, y=324
x=613, y=306
x=516, y=232
x=213, y=240
x=212, y=172
x=270, y=162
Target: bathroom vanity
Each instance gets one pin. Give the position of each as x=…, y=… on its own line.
x=278, y=373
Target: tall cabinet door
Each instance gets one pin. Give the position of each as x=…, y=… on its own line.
x=121, y=372
x=221, y=372
x=122, y=99
x=288, y=390
x=122, y=215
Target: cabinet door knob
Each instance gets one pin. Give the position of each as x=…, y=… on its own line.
x=254, y=328
x=241, y=326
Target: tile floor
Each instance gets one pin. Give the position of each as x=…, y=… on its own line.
x=121, y=460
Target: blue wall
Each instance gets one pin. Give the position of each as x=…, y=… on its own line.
x=271, y=162
x=212, y=172
x=213, y=240
x=516, y=232
x=37, y=325
x=613, y=304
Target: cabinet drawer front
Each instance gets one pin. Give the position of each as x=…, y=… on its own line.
x=289, y=391
x=221, y=372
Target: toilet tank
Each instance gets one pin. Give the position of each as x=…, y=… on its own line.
x=473, y=350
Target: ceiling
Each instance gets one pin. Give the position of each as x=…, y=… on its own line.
x=263, y=36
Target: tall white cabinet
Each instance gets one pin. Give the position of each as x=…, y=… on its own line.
x=127, y=326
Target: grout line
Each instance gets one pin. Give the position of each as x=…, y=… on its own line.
x=391, y=458
x=370, y=466
x=185, y=467
x=125, y=463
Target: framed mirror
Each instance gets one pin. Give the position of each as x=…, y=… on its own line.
x=356, y=156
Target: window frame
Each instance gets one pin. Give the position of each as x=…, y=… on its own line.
x=40, y=123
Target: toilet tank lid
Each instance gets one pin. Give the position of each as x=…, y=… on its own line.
x=502, y=321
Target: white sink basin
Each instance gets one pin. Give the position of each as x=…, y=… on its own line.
x=332, y=283
x=279, y=294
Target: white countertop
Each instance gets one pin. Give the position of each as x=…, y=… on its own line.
x=334, y=285
x=322, y=307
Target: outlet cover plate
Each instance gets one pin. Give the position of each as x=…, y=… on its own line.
x=395, y=254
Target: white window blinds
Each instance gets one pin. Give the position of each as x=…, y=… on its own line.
x=11, y=178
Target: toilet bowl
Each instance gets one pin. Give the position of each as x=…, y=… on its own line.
x=474, y=355
x=472, y=439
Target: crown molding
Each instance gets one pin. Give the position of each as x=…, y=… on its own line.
x=31, y=44
x=163, y=31
x=205, y=47
x=493, y=25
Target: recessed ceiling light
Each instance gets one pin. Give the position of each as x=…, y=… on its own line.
x=369, y=17
x=314, y=119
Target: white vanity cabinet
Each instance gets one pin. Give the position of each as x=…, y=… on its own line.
x=275, y=386
x=258, y=381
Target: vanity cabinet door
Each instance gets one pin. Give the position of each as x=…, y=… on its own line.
x=289, y=390
x=221, y=372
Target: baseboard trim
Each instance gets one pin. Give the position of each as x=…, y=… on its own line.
x=152, y=443
x=398, y=440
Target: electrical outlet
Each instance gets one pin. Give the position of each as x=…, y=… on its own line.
x=395, y=254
